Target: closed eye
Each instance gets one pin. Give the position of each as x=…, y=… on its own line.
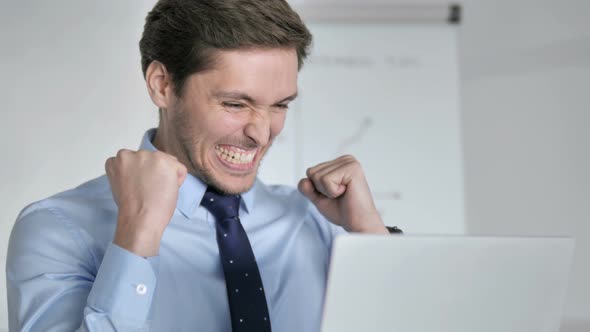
x=233, y=105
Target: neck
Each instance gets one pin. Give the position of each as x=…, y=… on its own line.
x=162, y=139
x=166, y=141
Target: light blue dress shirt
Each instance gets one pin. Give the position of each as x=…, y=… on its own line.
x=65, y=274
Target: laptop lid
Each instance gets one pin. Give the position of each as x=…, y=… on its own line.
x=446, y=283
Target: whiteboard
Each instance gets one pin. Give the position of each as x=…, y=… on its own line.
x=389, y=95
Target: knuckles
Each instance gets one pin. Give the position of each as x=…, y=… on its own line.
x=327, y=177
x=135, y=160
x=345, y=161
x=351, y=161
x=123, y=153
x=347, y=158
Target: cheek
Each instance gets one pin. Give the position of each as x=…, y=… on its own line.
x=277, y=122
x=224, y=124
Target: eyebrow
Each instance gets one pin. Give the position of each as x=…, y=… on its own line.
x=246, y=97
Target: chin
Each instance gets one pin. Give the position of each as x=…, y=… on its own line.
x=233, y=185
x=227, y=178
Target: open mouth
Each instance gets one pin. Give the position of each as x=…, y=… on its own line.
x=235, y=157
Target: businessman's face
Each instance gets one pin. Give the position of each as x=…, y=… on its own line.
x=229, y=116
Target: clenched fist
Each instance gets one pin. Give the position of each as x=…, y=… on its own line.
x=145, y=187
x=339, y=190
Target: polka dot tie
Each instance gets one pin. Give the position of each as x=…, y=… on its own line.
x=247, y=303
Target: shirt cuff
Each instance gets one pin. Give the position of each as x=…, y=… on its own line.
x=124, y=285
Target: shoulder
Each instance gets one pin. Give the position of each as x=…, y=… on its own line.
x=280, y=196
x=279, y=191
x=83, y=200
x=289, y=200
x=55, y=231
x=74, y=219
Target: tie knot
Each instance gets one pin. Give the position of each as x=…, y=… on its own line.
x=219, y=205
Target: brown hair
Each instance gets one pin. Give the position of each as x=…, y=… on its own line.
x=183, y=34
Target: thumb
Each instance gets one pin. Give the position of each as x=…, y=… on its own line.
x=325, y=205
x=181, y=173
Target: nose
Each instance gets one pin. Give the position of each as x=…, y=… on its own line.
x=258, y=127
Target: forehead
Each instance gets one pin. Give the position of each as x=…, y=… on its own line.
x=265, y=74
x=283, y=57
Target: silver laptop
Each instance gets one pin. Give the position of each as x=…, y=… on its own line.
x=446, y=283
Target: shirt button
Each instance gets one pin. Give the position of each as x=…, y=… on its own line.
x=141, y=289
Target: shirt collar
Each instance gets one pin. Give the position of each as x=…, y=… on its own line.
x=193, y=189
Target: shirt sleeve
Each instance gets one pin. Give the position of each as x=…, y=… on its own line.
x=54, y=282
x=328, y=231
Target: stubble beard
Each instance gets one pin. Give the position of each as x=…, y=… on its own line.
x=186, y=142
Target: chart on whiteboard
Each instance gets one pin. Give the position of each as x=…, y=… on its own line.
x=388, y=95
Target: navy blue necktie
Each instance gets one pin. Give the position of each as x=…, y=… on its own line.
x=247, y=303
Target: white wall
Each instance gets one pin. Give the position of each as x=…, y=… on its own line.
x=60, y=103
x=526, y=109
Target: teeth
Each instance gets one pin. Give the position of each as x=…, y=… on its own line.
x=235, y=157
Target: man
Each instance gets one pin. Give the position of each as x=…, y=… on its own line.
x=180, y=235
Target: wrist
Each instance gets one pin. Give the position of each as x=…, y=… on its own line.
x=376, y=229
x=136, y=235
x=369, y=226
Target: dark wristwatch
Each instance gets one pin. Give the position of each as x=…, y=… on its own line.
x=394, y=230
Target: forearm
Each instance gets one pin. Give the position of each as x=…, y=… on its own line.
x=118, y=299
x=54, y=284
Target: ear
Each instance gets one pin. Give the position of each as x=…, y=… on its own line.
x=159, y=84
